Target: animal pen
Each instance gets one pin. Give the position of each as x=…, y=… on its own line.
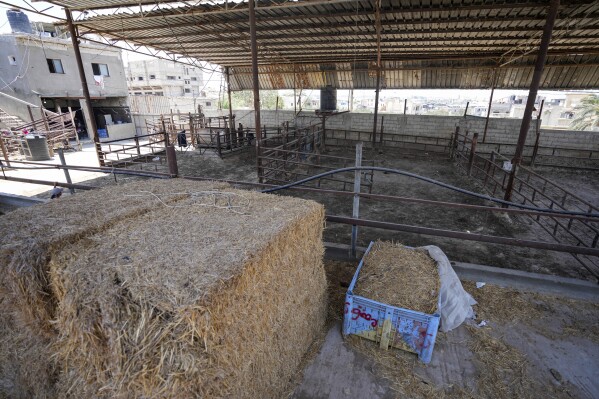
x=187, y=285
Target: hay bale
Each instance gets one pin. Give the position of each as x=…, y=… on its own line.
x=199, y=290
x=400, y=276
x=29, y=237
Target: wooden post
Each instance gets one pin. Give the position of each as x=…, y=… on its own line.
x=405, y=106
x=67, y=175
x=472, y=153
x=137, y=145
x=171, y=160
x=44, y=119
x=4, y=151
x=382, y=129
x=31, y=117
x=356, y=203
x=466, y=110
x=75, y=128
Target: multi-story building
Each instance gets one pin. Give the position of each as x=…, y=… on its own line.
x=40, y=71
x=163, y=78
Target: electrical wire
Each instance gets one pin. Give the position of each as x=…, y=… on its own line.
x=428, y=180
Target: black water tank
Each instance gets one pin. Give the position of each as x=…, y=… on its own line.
x=19, y=22
x=328, y=99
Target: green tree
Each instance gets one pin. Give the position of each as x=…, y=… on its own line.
x=586, y=113
x=245, y=99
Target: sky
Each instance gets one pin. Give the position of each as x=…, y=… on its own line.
x=214, y=82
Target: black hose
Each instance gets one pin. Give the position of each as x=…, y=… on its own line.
x=428, y=180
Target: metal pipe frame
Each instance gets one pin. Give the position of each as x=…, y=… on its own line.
x=255, y=83
x=532, y=94
x=549, y=246
x=84, y=87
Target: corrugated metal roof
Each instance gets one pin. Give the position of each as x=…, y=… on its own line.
x=424, y=44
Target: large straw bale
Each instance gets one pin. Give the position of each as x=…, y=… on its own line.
x=29, y=237
x=205, y=291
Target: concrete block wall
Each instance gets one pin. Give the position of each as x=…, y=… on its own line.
x=348, y=128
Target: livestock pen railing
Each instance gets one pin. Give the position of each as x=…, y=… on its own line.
x=530, y=188
x=147, y=150
x=409, y=143
x=297, y=154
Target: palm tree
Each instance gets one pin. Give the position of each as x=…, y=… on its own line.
x=587, y=113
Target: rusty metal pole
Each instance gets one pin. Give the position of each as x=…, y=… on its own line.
x=466, y=110
x=255, y=85
x=535, y=150
x=88, y=101
x=489, y=107
x=472, y=153
x=532, y=95
x=294, y=93
x=378, y=69
x=171, y=160
x=231, y=121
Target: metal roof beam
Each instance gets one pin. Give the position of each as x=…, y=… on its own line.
x=386, y=50
x=335, y=36
x=200, y=11
x=304, y=44
x=326, y=26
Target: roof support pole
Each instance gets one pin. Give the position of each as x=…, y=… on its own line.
x=255, y=85
x=378, y=69
x=84, y=87
x=493, y=84
x=231, y=121
x=532, y=95
x=294, y=93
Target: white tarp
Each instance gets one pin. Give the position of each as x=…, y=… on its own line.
x=455, y=304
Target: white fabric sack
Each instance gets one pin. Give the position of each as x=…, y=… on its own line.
x=455, y=304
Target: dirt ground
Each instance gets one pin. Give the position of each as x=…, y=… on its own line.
x=242, y=167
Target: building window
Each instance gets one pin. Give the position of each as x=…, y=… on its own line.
x=137, y=93
x=12, y=60
x=100, y=69
x=187, y=82
x=140, y=78
x=179, y=77
x=194, y=78
x=187, y=90
x=55, y=66
x=170, y=78
x=152, y=76
x=208, y=103
x=159, y=93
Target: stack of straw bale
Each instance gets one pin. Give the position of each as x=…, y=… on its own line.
x=160, y=289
